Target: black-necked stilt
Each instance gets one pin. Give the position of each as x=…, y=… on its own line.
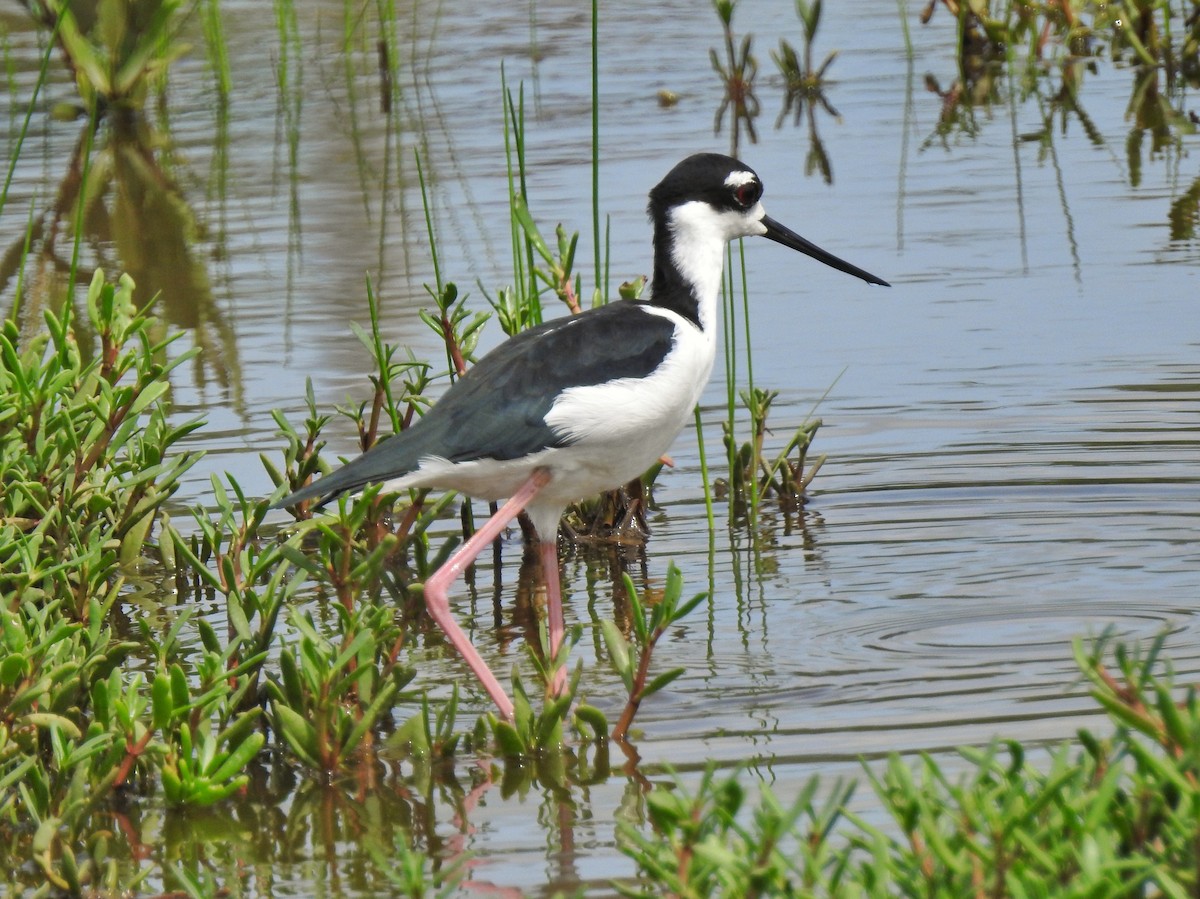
x=585, y=403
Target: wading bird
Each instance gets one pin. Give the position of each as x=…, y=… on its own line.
x=580, y=404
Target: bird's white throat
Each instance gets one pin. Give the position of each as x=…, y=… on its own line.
x=699, y=235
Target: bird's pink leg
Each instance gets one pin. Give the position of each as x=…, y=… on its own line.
x=554, y=609
x=437, y=588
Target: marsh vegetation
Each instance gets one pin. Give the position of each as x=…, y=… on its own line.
x=987, y=540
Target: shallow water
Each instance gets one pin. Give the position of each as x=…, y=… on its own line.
x=1012, y=428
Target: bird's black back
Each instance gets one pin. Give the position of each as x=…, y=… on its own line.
x=497, y=410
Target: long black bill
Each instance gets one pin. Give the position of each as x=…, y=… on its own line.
x=789, y=238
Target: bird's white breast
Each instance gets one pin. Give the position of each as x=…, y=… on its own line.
x=618, y=429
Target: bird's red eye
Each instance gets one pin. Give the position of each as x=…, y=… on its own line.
x=747, y=194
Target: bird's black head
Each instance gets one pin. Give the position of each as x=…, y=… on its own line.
x=722, y=182
x=709, y=195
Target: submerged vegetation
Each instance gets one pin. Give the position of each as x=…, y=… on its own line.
x=186, y=753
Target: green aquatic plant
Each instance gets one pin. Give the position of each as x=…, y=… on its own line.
x=218, y=54
x=649, y=622
x=1006, y=50
x=1103, y=816
x=120, y=191
x=753, y=473
x=804, y=87
x=117, y=50
x=90, y=460
x=88, y=453
x=117, y=712
x=332, y=691
x=988, y=31
x=703, y=845
x=87, y=716
x=557, y=268
x=209, y=739
x=802, y=81
x=737, y=74
x=534, y=733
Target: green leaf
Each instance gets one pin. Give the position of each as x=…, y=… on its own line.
x=549, y=735
x=240, y=757
x=161, y=701
x=661, y=681
x=298, y=733
x=369, y=716
x=412, y=736
x=1177, y=730
x=180, y=693
x=208, y=636
x=508, y=741
x=172, y=786
x=593, y=718
x=290, y=678
x=686, y=609
x=12, y=669
x=520, y=211
x=636, y=613
x=100, y=708
x=618, y=651
x=51, y=721
x=88, y=63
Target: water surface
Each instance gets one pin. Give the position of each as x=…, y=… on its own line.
x=1011, y=428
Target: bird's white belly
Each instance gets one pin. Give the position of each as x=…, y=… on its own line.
x=577, y=472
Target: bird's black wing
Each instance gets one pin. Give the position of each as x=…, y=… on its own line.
x=497, y=410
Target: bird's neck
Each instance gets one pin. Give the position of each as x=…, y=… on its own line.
x=687, y=271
